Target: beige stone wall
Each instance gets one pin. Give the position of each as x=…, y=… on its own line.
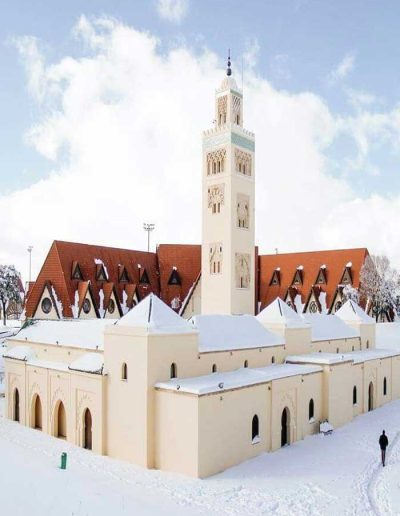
x=336, y=345
x=51, y=352
x=77, y=391
x=176, y=433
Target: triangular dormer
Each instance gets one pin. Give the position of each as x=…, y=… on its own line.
x=298, y=277
x=76, y=273
x=347, y=276
x=144, y=277
x=101, y=274
x=123, y=274
x=174, y=278
x=321, y=278
x=276, y=278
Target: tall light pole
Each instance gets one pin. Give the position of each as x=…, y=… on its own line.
x=149, y=228
x=30, y=261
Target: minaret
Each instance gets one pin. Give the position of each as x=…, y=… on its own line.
x=228, y=250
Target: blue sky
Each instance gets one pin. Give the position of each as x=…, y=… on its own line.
x=322, y=86
x=301, y=42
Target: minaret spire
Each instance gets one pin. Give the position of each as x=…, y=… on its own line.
x=228, y=70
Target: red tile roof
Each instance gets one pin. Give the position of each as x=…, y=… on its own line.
x=309, y=264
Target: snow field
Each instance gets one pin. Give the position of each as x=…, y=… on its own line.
x=338, y=474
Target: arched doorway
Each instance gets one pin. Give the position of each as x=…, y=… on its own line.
x=87, y=430
x=370, y=396
x=60, y=421
x=16, y=405
x=285, y=427
x=37, y=413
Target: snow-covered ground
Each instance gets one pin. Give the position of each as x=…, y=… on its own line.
x=337, y=474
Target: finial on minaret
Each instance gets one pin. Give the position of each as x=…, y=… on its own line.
x=228, y=70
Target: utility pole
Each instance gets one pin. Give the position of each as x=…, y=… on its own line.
x=149, y=228
x=30, y=248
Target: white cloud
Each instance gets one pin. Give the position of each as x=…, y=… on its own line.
x=172, y=10
x=122, y=127
x=343, y=69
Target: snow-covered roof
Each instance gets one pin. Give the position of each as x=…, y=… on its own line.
x=156, y=317
x=388, y=335
x=7, y=332
x=20, y=353
x=229, y=332
x=79, y=333
x=244, y=377
x=351, y=312
x=88, y=363
x=279, y=313
x=357, y=357
x=328, y=327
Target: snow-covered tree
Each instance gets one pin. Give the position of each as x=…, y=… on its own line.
x=379, y=285
x=10, y=281
x=350, y=292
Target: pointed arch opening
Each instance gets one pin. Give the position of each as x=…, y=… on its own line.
x=255, y=428
x=87, y=429
x=285, y=427
x=246, y=363
x=311, y=410
x=214, y=368
x=124, y=371
x=354, y=395
x=36, y=411
x=173, y=371
x=16, y=405
x=384, y=386
x=370, y=397
x=60, y=421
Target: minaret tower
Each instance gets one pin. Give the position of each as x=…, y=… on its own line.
x=228, y=250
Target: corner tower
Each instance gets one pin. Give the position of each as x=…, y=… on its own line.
x=228, y=251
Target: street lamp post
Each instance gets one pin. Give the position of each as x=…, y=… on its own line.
x=149, y=228
x=30, y=261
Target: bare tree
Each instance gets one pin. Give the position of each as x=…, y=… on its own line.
x=10, y=281
x=379, y=285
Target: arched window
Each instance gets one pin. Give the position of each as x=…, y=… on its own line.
x=254, y=428
x=367, y=344
x=61, y=421
x=214, y=368
x=246, y=363
x=311, y=409
x=87, y=429
x=384, y=386
x=173, y=372
x=273, y=360
x=354, y=395
x=337, y=350
x=16, y=405
x=124, y=372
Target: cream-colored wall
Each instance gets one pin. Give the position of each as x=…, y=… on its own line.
x=194, y=305
x=338, y=402
x=76, y=390
x=332, y=346
x=56, y=353
x=176, y=433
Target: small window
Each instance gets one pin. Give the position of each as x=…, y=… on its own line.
x=384, y=386
x=144, y=278
x=46, y=305
x=86, y=307
x=246, y=363
x=214, y=368
x=311, y=409
x=255, y=433
x=111, y=306
x=354, y=395
x=367, y=344
x=273, y=360
x=124, y=372
x=173, y=370
x=352, y=348
x=337, y=350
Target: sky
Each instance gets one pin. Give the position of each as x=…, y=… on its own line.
x=103, y=104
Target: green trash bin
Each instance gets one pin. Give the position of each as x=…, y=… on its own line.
x=64, y=460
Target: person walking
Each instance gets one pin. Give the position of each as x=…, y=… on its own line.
x=383, y=443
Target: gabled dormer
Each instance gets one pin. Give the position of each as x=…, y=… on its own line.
x=276, y=277
x=101, y=274
x=321, y=277
x=174, y=278
x=123, y=276
x=298, y=276
x=76, y=273
x=143, y=276
x=347, y=276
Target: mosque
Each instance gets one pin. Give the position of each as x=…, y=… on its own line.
x=199, y=389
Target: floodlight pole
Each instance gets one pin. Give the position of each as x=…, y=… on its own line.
x=149, y=228
x=30, y=248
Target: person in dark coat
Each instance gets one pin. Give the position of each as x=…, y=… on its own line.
x=383, y=443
